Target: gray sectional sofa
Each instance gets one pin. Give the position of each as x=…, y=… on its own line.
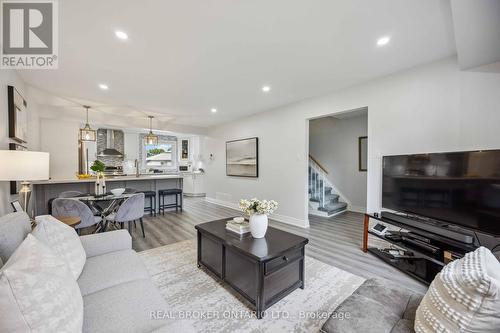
x=117, y=291
x=119, y=296
x=377, y=306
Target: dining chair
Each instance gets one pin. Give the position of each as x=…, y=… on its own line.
x=130, y=210
x=69, y=194
x=74, y=194
x=74, y=207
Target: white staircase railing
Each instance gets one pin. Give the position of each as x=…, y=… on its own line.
x=318, y=183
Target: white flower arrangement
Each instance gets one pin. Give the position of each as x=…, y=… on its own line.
x=256, y=206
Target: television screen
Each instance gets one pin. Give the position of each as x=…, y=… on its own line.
x=462, y=188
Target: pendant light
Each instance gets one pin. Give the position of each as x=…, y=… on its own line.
x=87, y=133
x=151, y=139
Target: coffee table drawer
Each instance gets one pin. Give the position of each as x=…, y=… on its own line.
x=211, y=254
x=281, y=261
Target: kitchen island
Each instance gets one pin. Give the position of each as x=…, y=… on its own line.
x=45, y=190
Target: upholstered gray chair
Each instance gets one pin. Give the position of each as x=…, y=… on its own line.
x=130, y=210
x=69, y=194
x=74, y=207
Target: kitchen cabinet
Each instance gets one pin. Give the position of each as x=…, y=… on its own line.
x=194, y=184
x=185, y=150
x=131, y=146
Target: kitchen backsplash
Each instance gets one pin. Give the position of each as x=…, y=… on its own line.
x=101, y=145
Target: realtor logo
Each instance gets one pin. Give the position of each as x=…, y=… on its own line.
x=29, y=34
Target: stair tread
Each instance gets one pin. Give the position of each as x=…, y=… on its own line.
x=332, y=198
x=333, y=207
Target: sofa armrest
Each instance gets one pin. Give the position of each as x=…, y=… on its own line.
x=106, y=242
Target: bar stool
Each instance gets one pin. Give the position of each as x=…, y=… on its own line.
x=165, y=193
x=151, y=209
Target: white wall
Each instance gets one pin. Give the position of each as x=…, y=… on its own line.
x=281, y=160
x=431, y=108
x=334, y=143
x=10, y=77
x=60, y=139
x=476, y=26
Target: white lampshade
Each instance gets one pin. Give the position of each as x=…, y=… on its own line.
x=23, y=165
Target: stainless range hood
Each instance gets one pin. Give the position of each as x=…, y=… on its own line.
x=110, y=149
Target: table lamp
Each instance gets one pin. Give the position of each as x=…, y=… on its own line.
x=24, y=166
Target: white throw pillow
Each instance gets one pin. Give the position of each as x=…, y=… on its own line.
x=38, y=292
x=63, y=240
x=464, y=296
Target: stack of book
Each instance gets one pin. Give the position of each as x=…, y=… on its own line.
x=239, y=228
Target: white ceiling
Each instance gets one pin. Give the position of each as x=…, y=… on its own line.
x=184, y=57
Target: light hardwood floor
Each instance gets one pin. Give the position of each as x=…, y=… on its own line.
x=335, y=241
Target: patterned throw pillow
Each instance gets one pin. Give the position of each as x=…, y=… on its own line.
x=38, y=292
x=464, y=297
x=63, y=240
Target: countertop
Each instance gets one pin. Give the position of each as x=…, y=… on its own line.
x=109, y=179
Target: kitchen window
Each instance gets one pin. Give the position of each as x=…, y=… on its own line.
x=160, y=157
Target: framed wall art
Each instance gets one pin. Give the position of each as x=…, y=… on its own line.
x=363, y=153
x=18, y=115
x=242, y=158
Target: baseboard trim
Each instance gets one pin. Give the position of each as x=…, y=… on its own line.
x=325, y=214
x=357, y=209
x=317, y=213
x=222, y=203
x=290, y=220
x=277, y=217
x=194, y=195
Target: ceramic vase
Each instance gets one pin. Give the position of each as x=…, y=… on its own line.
x=258, y=225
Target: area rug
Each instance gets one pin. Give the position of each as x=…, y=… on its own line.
x=203, y=304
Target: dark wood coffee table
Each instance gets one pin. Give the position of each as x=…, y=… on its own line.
x=263, y=270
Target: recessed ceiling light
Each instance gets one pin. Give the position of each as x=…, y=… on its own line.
x=121, y=35
x=103, y=86
x=383, y=40
x=266, y=89
x=213, y=110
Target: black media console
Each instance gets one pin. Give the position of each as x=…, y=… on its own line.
x=426, y=245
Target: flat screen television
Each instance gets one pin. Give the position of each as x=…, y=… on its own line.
x=461, y=188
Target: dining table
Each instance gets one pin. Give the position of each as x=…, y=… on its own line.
x=103, y=205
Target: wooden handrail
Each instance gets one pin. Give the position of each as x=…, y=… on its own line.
x=319, y=164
